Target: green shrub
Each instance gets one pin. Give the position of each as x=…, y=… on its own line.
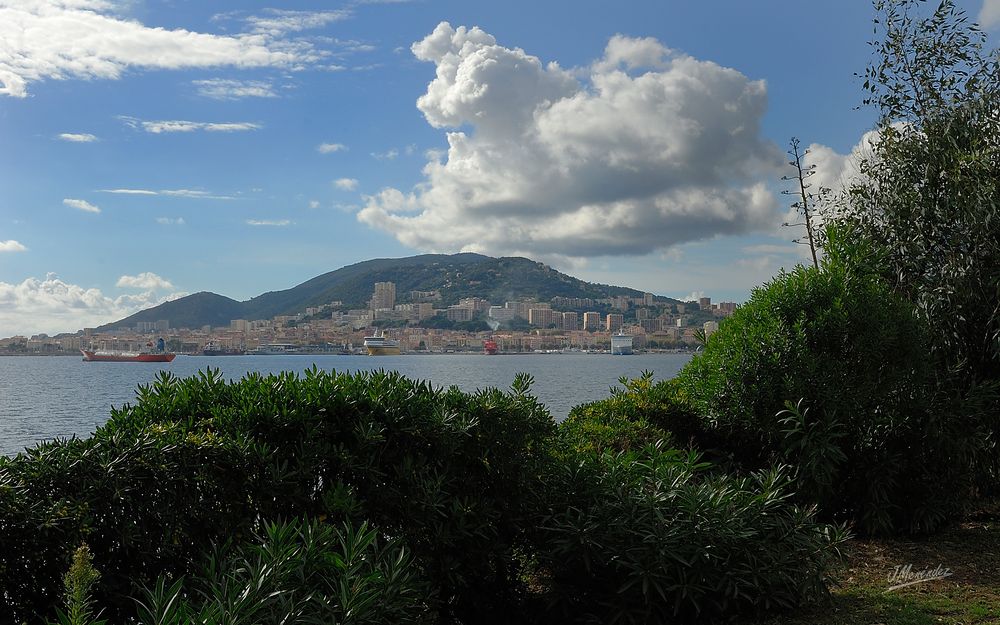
x=199, y=460
x=298, y=572
x=650, y=536
x=638, y=414
x=829, y=371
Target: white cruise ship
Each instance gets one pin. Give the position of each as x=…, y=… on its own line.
x=621, y=343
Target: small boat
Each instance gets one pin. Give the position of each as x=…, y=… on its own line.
x=490, y=347
x=379, y=345
x=213, y=349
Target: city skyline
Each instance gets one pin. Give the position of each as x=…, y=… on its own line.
x=153, y=149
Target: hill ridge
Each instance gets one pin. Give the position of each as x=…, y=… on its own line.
x=456, y=276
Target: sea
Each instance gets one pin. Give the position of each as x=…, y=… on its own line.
x=47, y=397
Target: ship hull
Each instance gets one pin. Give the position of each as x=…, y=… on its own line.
x=383, y=350
x=89, y=356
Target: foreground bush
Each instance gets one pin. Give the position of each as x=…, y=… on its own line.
x=829, y=371
x=198, y=461
x=423, y=505
x=650, y=537
x=298, y=572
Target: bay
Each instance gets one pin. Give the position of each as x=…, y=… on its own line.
x=45, y=397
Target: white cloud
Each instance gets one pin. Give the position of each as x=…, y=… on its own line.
x=52, y=305
x=627, y=162
x=129, y=191
x=185, y=193
x=388, y=155
x=12, y=246
x=268, y=222
x=693, y=296
x=83, y=205
x=227, y=89
x=179, y=125
x=330, y=148
x=170, y=221
x=989, y=15
x=73, y=137
x=146, y=280
x=346, y=184
x=84, y=39
x=277, y=22
x=313, y=204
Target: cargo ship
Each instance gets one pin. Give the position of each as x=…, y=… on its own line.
x=159, y=354
x=490, y=347
x=379, y=345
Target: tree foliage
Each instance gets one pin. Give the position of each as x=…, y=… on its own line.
x=928, y=199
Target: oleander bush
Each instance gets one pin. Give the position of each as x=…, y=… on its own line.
x=298, y=572
x=198, y=461
x=637, y=414
x=651, y=536
x=371, y=498
x=829, y=371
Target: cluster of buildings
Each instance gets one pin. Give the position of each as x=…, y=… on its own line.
x=422, y=324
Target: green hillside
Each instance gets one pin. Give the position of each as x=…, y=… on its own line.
x=456, y=276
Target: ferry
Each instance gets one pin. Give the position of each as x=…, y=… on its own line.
x=621, y=343
x=379, y=345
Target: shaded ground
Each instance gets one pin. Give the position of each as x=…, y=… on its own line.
x=971, y=595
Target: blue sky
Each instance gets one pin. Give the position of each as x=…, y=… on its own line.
x=155, y=148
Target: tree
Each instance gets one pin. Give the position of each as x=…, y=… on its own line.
x=928, y=198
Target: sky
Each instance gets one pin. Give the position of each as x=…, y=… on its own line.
x=155, y=148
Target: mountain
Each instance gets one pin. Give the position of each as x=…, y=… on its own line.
x=456, y=276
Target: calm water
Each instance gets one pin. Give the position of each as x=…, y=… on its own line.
x=47, y=397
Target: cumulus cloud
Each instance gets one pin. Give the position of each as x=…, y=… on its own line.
x=653, y=149
x=228, y=89
x=52, y=305
x=180, y=125
x=83, y=205
x=12, y=246
x=833, y=171
x=989, y=15
x=62, y=39
x=73, y=137
x=146, y=280
x=314, y=204
x=268, y=222
x=346, y=184
x=170, y=221
x=330, y=148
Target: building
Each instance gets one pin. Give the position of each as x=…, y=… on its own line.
x=542, y=317
x=384, y=296
x=614, y=321
x=570, y=321
x=705, y=303
x=459, y=313
x=475, y=304
x=501, y=313
x=591, y=321
x=710, y=327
